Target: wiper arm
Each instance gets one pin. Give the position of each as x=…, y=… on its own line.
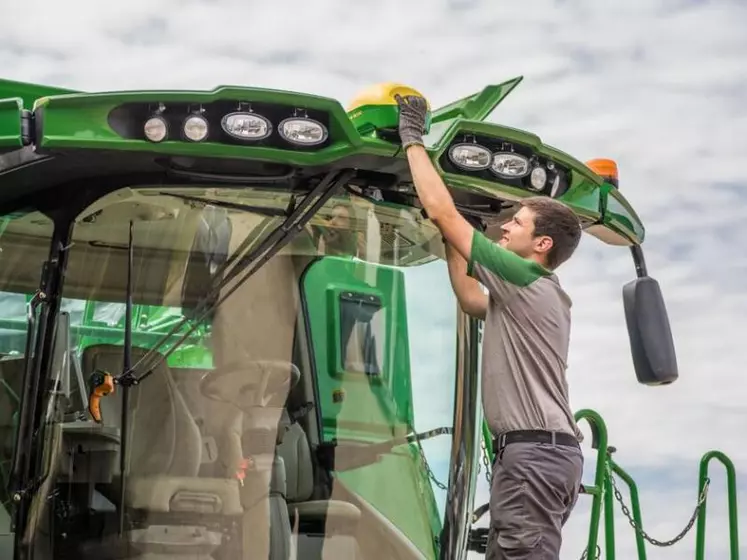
x=255, y=259
x=261, y=210
x=336, y=455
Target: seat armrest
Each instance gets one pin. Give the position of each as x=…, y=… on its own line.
x=326, y=509
x=184, y=494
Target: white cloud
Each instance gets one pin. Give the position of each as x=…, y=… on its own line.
x=659, y=86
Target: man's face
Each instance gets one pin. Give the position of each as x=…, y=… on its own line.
x=518, y=235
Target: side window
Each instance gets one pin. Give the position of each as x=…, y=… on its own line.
x=361, y=342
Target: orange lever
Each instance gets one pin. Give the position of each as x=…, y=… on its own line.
x=102, y=384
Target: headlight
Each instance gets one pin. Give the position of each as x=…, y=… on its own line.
x=510, y=165
x=303, y=131
x=538, y=178
x=246, y=126
x=155, y=129
x=470, y=157
x=195, y=128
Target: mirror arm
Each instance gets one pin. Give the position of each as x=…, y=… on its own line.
x=639, y=261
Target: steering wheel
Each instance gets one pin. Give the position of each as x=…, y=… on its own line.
x=250, y=384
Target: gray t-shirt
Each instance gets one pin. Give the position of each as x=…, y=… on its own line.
x=525, y=345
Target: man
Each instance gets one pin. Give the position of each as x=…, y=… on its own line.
x=538, y=466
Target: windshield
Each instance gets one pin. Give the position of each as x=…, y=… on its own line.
x=277, y=412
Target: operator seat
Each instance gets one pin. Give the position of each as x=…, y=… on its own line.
x=327, y=527
x=165, y=452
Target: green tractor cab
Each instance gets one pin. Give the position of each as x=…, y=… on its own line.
x=226, y=324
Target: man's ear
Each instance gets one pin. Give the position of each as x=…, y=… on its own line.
x=543, y=244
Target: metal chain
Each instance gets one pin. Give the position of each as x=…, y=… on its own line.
x=428, y=470
x=640, y=531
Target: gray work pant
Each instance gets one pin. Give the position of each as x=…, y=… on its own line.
x=533, y=491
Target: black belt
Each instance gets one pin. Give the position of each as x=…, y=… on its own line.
x=536, y=436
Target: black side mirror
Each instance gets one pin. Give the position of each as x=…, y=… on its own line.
x=651, y=343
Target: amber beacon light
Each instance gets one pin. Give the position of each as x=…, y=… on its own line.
x=606, y=169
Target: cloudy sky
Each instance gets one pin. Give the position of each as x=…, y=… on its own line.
x=657, y=85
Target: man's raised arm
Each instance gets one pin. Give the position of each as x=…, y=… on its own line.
x=432, y=192
x=500, y=270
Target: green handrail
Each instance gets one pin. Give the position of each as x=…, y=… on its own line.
x=731, y=490
x=598, y=442
x=604, y=491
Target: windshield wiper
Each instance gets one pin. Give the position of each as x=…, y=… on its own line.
x=261, y=210
x=249, y=264
x=345, y=455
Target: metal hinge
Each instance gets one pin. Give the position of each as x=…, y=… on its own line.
x=27, y=127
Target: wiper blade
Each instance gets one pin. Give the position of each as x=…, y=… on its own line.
x=262, y=210
x=256, y=258
x=342, y=456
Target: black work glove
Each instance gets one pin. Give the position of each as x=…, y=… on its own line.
x=412, y=113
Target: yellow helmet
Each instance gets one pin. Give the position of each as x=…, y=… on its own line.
x=376, y=108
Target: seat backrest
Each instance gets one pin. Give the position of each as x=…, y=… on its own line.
x=163, y=436
x=299, y=469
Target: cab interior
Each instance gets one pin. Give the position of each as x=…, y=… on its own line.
x=223, y=462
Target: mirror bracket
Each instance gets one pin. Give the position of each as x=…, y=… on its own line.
x=639, y=260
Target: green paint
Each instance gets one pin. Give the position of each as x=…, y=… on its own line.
x=477, y=106
x=731, y=496
x=28, y=92
x=10, y=123
x=374, y=408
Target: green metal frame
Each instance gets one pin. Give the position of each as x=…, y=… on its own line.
x=602, y=493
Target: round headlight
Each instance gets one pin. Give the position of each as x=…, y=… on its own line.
x=195, y=128
x=510, y=165
x=246, y=126
x=470, y=157
x=306, y=132
x=538, y=178
x=155, y=129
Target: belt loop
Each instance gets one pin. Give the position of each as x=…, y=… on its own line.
x=554, y=441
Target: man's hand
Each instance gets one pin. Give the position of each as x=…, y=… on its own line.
x=412, y=113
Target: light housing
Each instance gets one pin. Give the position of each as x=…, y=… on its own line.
x=195, y=127
x=538, y=178
x=303, y=131
x=156, y=129
x=510, y=165
x=470, y=156
x=246, y=126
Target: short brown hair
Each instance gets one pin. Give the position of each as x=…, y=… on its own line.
x=555, y=220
